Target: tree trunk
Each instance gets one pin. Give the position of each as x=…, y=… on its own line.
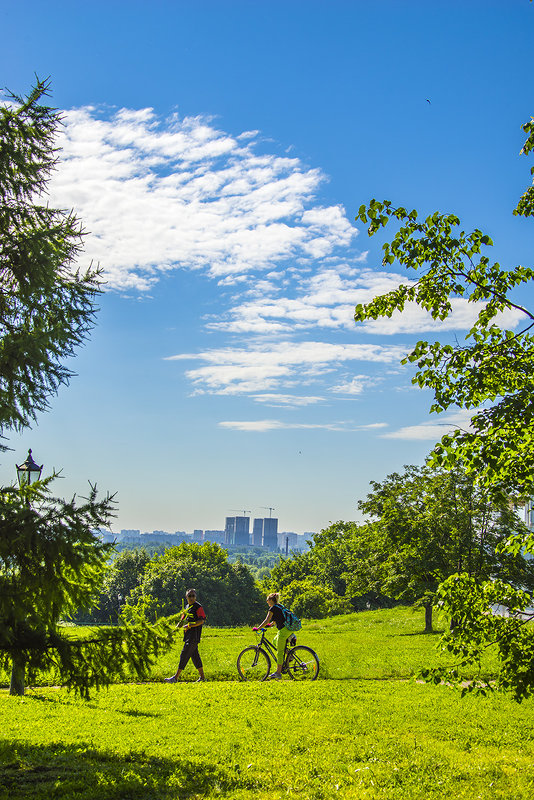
x=428, y=618
x=18, y=670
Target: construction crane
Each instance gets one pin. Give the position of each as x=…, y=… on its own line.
x=271, y=509
x=238, y=510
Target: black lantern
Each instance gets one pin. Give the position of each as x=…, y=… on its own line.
x=29, y=472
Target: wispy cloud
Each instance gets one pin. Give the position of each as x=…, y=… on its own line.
x=414, y=320
x=286, y=400
x=264, y=425
x=434, y=428
x=269, y=366
x=357, y=384
x=326, y=300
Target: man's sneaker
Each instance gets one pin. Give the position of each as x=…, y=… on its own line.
x=170, y=680
x=200, y=680
x=275, y=677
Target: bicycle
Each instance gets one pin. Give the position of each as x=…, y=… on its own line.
x=301, y=663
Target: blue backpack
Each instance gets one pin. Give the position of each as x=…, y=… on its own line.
x=291, y=621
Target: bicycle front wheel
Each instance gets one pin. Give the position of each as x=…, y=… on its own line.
x=253, y=664
x=302, y=663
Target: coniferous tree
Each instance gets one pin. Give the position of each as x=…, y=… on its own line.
x=47, y=307
x=51, y=563
x=50, y=558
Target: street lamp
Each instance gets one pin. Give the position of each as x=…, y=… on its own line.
x=29, y=472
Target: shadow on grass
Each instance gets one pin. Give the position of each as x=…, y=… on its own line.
x=83, y=772
x=133, y=712
x=415, y=633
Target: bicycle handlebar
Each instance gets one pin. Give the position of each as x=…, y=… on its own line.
x=261, y=630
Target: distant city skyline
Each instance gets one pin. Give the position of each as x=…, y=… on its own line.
x=217, y=154
x=284, y=541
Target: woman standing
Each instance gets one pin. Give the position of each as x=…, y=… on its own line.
x=275, y=614
x=194, y=617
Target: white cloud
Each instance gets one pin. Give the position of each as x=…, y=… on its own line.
x=355, y=385
x=414, y=320
x=323, y=299
x=159, y=194
x=156, y=195
x=267, y=367
x=326, y=299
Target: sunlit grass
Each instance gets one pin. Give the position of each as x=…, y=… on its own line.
x=350, y=739
x=366, y=730
x=371, y=645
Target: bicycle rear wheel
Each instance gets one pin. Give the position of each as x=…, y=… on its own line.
x=253, y=664
x=302, y=663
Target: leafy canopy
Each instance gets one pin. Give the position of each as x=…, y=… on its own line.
x=429, y=524
x=227, y=591
x=491, y=373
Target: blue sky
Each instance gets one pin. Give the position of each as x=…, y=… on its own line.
x=217, y=153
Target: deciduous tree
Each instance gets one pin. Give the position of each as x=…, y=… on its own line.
x=121, y=577
x=227, y=591
x=490, y=374
x=429, y=524
x=313, y=583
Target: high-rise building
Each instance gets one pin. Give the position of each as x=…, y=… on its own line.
x=229, y=530
x=237, y=531
x=288, y=541
x=242, y=531
x=257, y=533
x=270, y=531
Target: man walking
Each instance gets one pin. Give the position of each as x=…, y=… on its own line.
x=192, y=620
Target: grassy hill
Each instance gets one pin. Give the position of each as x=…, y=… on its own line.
x=365, y=730
x=370, y=645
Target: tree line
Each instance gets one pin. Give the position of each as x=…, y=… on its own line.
x=137, y=586
x=425, y=525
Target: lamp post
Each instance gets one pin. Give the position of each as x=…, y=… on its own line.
x=29, y=472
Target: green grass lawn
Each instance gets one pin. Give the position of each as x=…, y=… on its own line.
x=367, y=730
x=370, y=645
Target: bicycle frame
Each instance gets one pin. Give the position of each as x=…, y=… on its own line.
x=271, y=649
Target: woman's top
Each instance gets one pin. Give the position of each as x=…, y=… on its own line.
x=278, y=615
